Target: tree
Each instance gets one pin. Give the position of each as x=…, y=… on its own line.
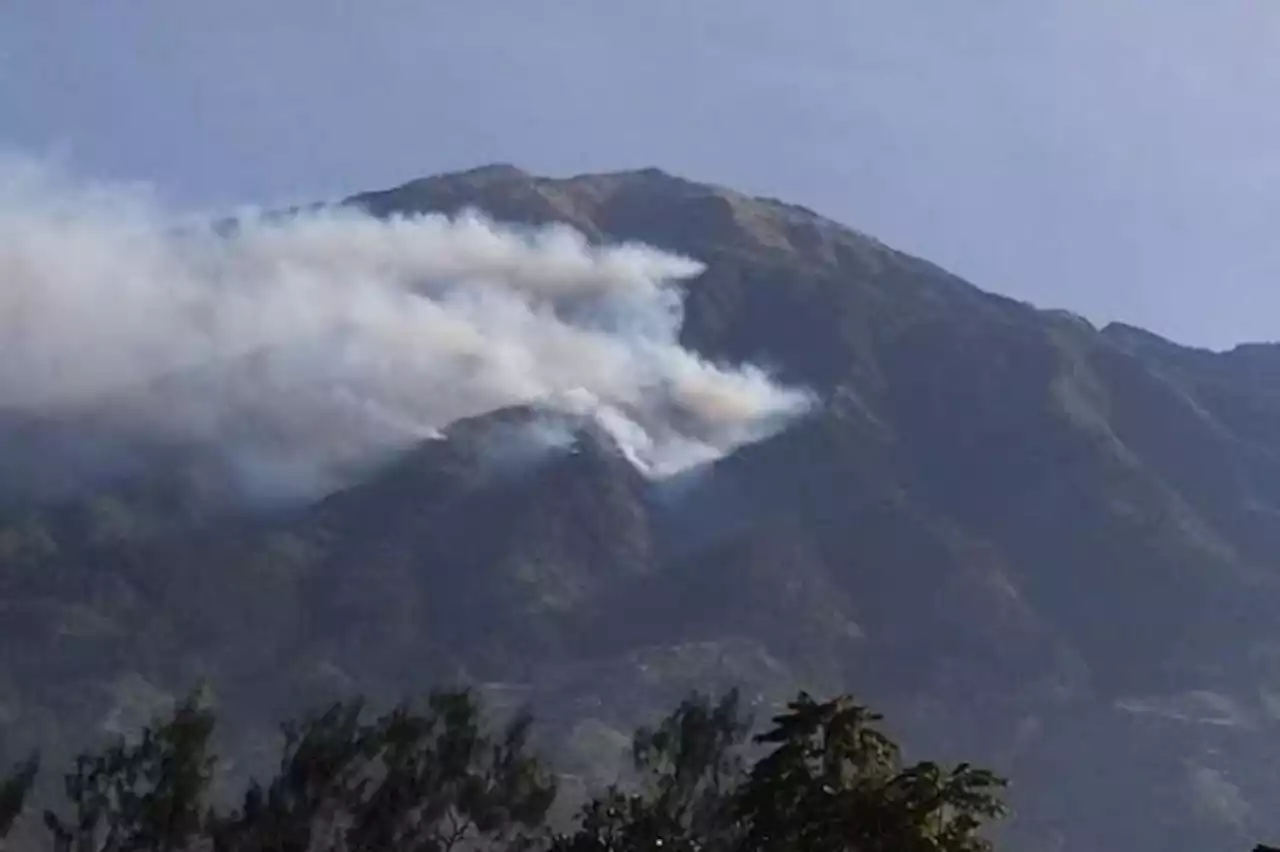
x=835, y=782
x=689, y=767
x=146, y=796
x=829, y=781
x=436, y=778
x=14, y=790
x=428, y=780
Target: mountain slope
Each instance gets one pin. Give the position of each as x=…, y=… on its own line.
x=1033, y=543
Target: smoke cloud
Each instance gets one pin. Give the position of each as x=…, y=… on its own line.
x=299, y=346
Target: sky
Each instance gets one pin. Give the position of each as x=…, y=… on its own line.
x=1118, y=158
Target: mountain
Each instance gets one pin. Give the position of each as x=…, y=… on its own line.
x=1030, y=542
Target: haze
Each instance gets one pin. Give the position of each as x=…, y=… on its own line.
x=1115, y=157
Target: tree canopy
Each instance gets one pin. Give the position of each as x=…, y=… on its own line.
x=437, y=777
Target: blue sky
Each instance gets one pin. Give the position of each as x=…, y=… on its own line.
x=1117, y=157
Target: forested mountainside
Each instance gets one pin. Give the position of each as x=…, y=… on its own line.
x=1031, y=542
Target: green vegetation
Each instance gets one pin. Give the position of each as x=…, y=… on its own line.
x=437, y=778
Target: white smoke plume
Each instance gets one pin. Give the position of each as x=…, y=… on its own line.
x=298, y=345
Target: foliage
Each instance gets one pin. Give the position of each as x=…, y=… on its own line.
x=428, y=780
x=835, y=782
x=14, y=791
x=437, y=779
x=831, y=781
x=144, y=796
x=689, y=766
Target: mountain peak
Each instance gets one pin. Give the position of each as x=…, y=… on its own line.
x=593, y=201
x=499, y=169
